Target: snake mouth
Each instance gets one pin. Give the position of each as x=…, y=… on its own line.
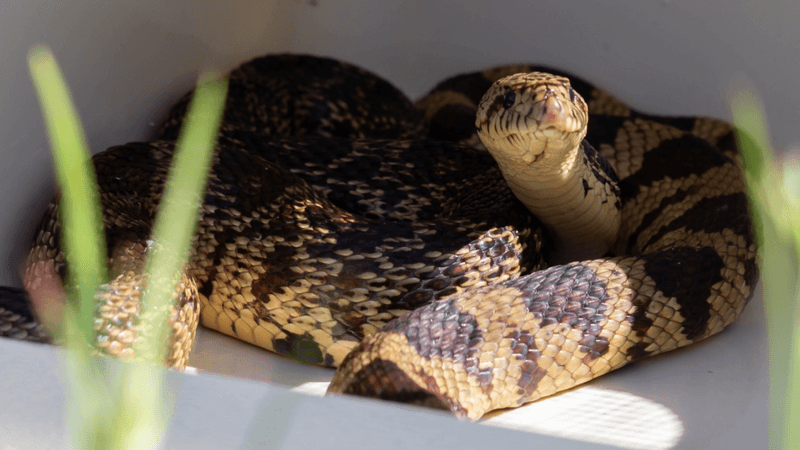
x=527, y=136
x=530, y=150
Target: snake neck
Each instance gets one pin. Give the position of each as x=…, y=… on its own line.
x=576, y=196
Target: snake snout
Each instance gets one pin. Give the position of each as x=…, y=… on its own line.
x=552, y=113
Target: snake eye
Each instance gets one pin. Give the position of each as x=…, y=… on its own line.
x=571, y=94
x=509, y=99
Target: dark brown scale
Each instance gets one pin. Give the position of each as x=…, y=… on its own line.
x=395, y=241
x=396, y=386
x=439, y=330
x=674, y=158
x=455, y=122
x=688, y=274
x=602, y=170
x=713, y=214
x=389, y=173
x=303, y=95
x=17, y=319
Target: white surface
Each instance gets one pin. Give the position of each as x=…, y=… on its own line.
x=126, y=61
x=213, y=412
x=711, y=395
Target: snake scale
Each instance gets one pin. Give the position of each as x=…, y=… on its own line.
x=345, y=226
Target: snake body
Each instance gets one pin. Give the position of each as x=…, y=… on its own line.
x=409, y=263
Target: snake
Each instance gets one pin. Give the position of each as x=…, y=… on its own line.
x=514, y=233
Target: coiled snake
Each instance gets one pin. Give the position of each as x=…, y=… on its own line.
x=349, y=240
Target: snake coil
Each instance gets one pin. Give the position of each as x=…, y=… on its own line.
x=345, y=226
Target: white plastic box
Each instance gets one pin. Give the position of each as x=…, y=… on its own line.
x=126, y=62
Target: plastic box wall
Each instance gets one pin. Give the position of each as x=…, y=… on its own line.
x=127, y=61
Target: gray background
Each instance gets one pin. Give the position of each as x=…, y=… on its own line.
x=127, y=61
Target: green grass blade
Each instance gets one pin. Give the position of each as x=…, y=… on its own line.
x=84, y=249
x=143, y=415
x=79, y=210
x=177, y=217
x=776, y=219
x=128, y=413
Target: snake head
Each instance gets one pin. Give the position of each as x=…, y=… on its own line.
x=528, y=117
